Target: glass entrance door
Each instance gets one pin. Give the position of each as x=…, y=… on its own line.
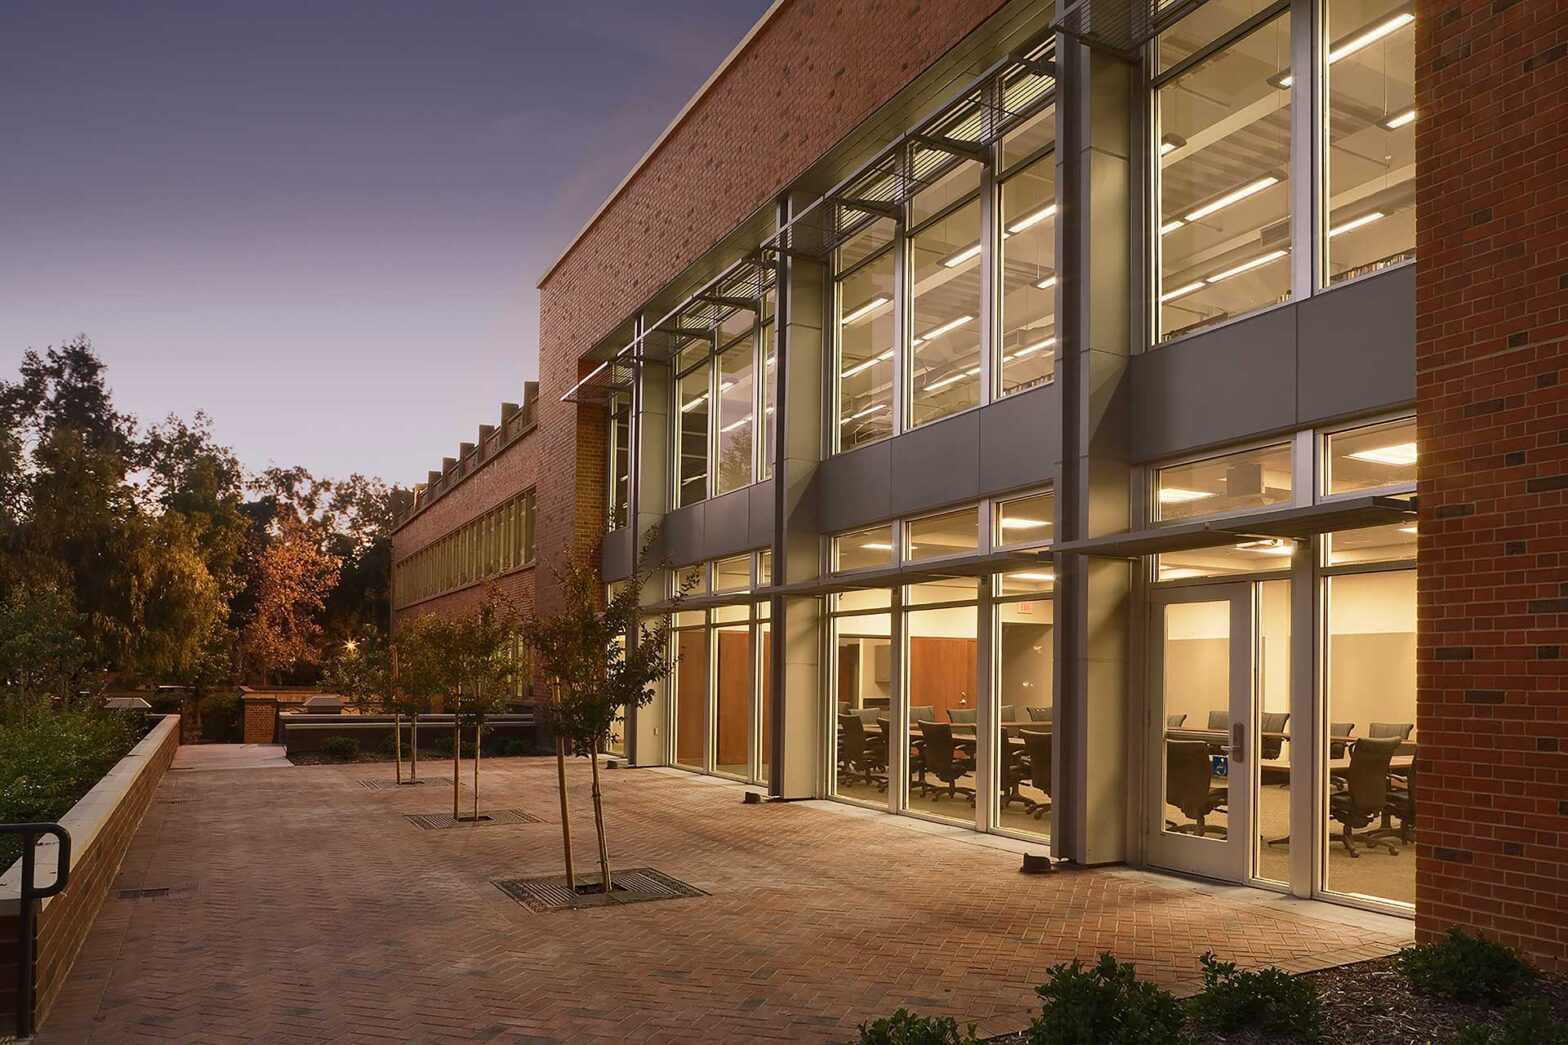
x=1201, y=730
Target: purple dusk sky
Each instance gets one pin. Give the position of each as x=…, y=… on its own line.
x=319, y=220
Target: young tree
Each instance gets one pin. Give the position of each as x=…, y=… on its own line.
x=364, y=670
x=40, y=649
x=293, y=577
x=602, y=658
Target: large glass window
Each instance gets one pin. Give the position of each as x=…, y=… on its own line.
x=865, y=342
x=1371, y=458
x=1027, y=342
x=620, y=459
x=1233, y=482
x=736, y=407
x=770, y=392
x=1029, y=519
x=1025, y=618
x=863, y=549
x=940, y=536
x=732, y=688
x=1224, y=160
x=692, y=434
x=1371, y=133
x=691, y=689
x=943, y=698
x=945, y=330
x=863, y=690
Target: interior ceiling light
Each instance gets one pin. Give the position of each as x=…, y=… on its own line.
x=1171, y=226
x=1401, y=454
x=1047, y=283
x=867, y=412
x=1248, y=266
x=1407, y=529
x=865, y=310
x=1169, y=143
x=1356, y=41
x=1399, y=119
x=867, y=364
x=736, y=424
x=1172, y=295
x=1234, y=196
x=1014, y=522
x=1029, y=350
x=877, y=546
x=948, y=327
x=1355, y=223
x=694, y=404
x=1032, y=576
x=958, y=257
x=1178, y=573
x=1177, y=495
x=1033, y=218
x=1268, y=546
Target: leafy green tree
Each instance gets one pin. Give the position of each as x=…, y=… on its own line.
x=40, y=648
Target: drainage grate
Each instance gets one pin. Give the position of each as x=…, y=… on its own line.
x=633, y=885
x=142, y=894
x=441, y=821
x=388, y=785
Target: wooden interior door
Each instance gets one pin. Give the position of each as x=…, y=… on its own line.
x=691, y=696
x=942, y=673
x=734, y=697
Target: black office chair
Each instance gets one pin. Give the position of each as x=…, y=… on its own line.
x=1219, y=720
x=1040, y=714
x=1273, y=722
x=1037, y=749
x=1008, y=713
x=1015, y=773
x=1391, y=729
x=861, y=753
x=1189, y=787
x=1366, y=792
x=922, y=712
x=965, y=715
x=1401, y=803
x=945, y=761
x=1337, y=748
x=1174, y=721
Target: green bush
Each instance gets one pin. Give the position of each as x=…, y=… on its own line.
x=1270, y=1000
x=389, y=746
x=905, y=1028
x=1528, y=1023
x=1466, y=968
x=443, y=747
x=515, y=748
x=50, y=757
x=340, y=749
x=1105, y=1005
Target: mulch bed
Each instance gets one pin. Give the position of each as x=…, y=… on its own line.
x=1370, y=1003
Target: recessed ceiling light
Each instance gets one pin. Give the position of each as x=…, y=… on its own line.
x=1176, y=495
x=1400, y=454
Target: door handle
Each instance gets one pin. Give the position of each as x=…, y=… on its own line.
x=1238, y=741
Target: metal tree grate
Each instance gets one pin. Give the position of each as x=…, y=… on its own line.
x=442, y=821
x=633, y=885
x=388, y=785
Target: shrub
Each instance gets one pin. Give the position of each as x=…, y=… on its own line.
x=905, y=1028
x=389, y=746
x=1105, y=1005
x=1528, y=1023
x=340, y=749
x=1466, y=968
x=514, y=748
x=1271, y=1000
x=443, y=747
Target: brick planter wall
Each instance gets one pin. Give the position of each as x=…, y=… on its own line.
x=101, y=826
x=304, y=734
x=1492, y=404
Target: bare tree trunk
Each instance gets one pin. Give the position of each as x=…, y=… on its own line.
x=413, y=752
x=457, y=751
x=478, y=729
x=397, y=745
x=598, y=823
x=566, y=823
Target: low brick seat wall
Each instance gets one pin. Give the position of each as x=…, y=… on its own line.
x=304, y=734
x=101, y=825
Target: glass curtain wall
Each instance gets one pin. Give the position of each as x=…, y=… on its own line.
x=941, y=661
x=862, y=641
x=1223, y=161
x=945, y=247
x=620, y=492
x=865, y=329
x=691, y=423
x=1025, y=618
x=690, y=686
x=1026, y=343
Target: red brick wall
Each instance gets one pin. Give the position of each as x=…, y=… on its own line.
x=804, y=81
x=1491, y=343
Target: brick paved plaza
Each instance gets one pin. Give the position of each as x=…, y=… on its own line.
x=302, y=907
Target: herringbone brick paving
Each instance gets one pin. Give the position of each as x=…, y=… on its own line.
x=304, y=908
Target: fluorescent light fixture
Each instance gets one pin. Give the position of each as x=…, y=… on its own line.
x=736, y=424
x=1029, y=350
x=1176, y=495
x=958, y=257
x=693, y=404
x=1172, y=295
x=877, y=546
x=1400, y=454
x=1015, y=522
x=867, y=412
x=1248, y=266
x=865, y=310
x=1355, y=223
x=950, y=380
x=1171, y=226
x=1032, y=218
x=1282, y=81
x=1178, y=573
x=1032, y=576
x=1268, y=546
x=1047, y=283
x=948, y=327
x=867, y=364
x=726, y=386
x=1370, y=36
x=1252, y=188
x=1407, y=529
x=1399, y=119
x=1169, y=143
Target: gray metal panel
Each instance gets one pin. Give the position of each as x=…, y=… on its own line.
x=760, y=533
x=726, y=527
x=1020, y=440
x=936, y=465
x=1357, y=348
x=616, y=555
x=1216, y=388
x=855, y=488
x=682, y=534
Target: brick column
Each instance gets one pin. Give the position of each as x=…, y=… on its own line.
x=1491, y=334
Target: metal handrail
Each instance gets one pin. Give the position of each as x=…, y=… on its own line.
x=29, y=895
